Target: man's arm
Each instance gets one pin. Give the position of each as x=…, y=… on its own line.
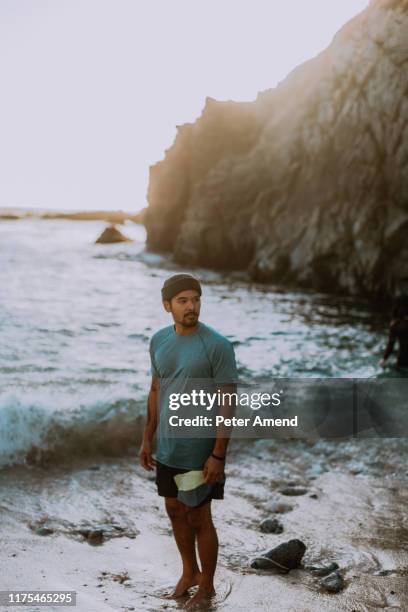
x=213, y=467
x=145, y=453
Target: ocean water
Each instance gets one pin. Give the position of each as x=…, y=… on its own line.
x=76, y=318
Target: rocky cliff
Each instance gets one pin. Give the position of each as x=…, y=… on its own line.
x=308, y=184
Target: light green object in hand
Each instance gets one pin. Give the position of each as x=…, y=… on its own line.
x=189, y=480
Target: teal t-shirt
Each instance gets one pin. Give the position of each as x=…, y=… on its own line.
x=177, y=361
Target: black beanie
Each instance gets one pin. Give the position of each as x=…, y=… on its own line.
x=177, y=283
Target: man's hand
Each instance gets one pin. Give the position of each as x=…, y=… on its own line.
x=145, y=456
x=382, y=363
x=213, y=470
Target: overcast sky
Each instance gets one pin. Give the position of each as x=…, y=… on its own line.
x=91, y=90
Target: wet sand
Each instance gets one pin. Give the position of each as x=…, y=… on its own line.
x=110, y=540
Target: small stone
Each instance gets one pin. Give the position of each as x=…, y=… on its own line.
x=269, y=525
x=313, y=496
x=292, y=491
x=44, y=531
x=324, y=570
x=333, y=583
x=121, y=578
x=95, y=537
x=287, y=555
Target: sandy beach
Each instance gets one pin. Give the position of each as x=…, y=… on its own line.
x=100, y=529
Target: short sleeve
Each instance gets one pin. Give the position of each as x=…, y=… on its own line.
x=153, y=367
x=223, y=364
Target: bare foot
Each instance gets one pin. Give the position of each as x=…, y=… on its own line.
x=201, y=598
x=185, y=583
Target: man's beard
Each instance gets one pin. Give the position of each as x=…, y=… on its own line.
x=190, y=320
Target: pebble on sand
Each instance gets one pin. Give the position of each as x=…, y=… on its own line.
x=284, y=557
x=44, y=531
x=322, y=570
x=333, y=583
x=271, y=525
x=94, y=536
x=292, y=491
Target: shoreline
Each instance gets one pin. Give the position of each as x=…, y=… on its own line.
x=110, y=216
x=354, y=519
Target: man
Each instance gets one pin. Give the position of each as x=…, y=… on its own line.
x=188, y=350
x=398, y=330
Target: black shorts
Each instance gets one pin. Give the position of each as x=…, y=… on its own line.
x=166, y=486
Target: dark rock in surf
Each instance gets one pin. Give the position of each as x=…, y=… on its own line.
x=111, y=235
